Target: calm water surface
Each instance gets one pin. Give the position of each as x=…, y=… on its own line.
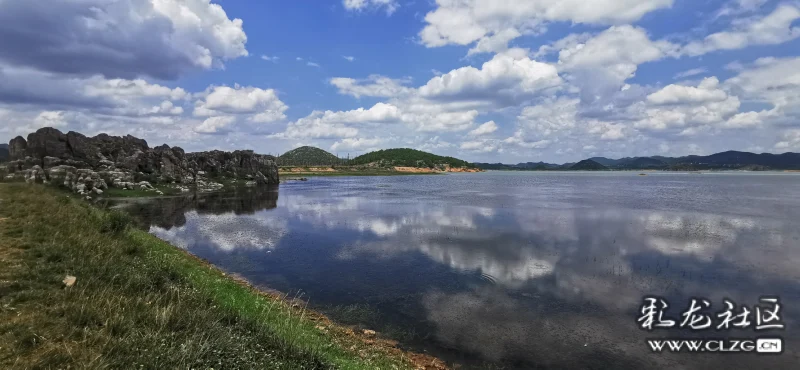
x=513, y=270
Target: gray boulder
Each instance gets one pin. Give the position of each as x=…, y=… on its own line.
x=17, y=147
x=62, y=175
x=48, y=142
x=35, y=175
x=237, y=164
x=52, y=162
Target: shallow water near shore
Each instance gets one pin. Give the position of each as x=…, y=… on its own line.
x=513, y=270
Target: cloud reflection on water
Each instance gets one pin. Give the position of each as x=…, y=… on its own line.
x=226, y=231
x=545, y=282
x=606, y=259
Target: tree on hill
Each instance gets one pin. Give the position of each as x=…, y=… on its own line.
x=309, y=156
x=408, y=158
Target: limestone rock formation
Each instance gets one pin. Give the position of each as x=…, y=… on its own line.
x=17, y=147
x=92, y=164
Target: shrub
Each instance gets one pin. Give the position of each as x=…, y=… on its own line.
x=116, y=222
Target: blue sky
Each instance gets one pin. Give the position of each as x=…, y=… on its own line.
x=483, y=80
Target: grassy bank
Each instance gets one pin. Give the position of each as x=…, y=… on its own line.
x=139, y=302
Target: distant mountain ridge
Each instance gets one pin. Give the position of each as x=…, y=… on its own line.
x=729, y=160
x=537, y=165
x=526, y=166
x=632, y=162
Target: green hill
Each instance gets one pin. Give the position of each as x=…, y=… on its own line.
x=308, y=156
x=408, y=158
x=588, y=165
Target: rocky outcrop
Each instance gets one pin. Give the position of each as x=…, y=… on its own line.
x=17, y=147
x=238, y=164
x=86, y=163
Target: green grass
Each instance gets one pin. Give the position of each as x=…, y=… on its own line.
x=141, y=303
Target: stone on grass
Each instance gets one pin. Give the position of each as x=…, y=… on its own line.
x=70, y=280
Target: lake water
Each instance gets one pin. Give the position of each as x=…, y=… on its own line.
x=515, y=270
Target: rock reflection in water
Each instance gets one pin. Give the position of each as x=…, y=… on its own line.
x=520, y=271
x=168, y=212
x=227, y=220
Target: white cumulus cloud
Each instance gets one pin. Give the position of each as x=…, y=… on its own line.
x=215, y=125
x=491, y=23
x=373, y=86
x=263, y=104
x=119, y=39
x=390, y=6
x=502, y=81
x=356, y=144
x=484, y=129
x=774, y=28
